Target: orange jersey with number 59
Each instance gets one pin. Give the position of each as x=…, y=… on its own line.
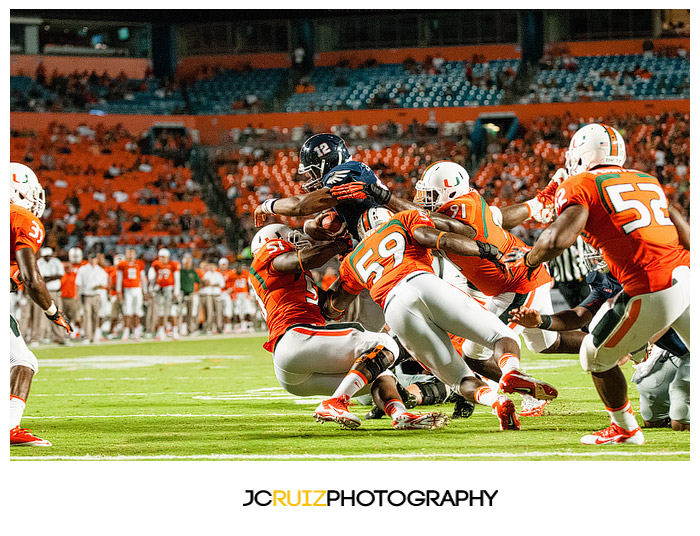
x=285, y=299
x=386, y=256
x=472, y=209
x=628, y=220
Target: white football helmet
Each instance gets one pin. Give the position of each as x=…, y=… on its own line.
x=75, y=255
x=441, y=182
x=371, y=219
x=223, y=263
x=25, y=189
x=274, y=231
x=594, y=145
x=163, y=252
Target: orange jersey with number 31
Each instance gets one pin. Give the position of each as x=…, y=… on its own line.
x=285, y=299
x=386, y=256
x=628, y=220
x=473, y=210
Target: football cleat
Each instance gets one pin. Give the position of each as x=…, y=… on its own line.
x=420, y=421
x=531, y=407
x=505, y=411
x=375, y=413
x=463, y=408
x=516, y=381
x=409, y=400
x=21, y=437
x=336, y=410
x=614, y=434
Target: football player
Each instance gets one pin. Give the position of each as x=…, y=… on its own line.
x=624, y=213
x=26, y=236
x=393, y=261
x=663, y=379
x=164, y=276
x=226, y=298
x=309, y=357
x=131, y=290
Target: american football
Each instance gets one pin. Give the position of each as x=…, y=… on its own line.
x=332, y=222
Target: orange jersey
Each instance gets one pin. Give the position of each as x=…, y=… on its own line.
x=240, y=286
x=285, y=299
x=386, y=256
x=112, y=279
x=165, y=272
x=628, y=221
x=473, y=210
x=131, y=273
x=68, y=289
x=26, y=231
x=230, y=277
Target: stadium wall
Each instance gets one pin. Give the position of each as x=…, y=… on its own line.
x=210, y=127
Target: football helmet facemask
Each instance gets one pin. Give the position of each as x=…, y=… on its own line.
x=595, y=262
x=441, y=182
x=593, y=145
x=319, y=154
x=25, y=189
x=279, y=231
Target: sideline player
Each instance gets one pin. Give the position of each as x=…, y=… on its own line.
x=26, y=236
x=309, y=357
x=393, y=262
x=624, y=213
x=164, y=276
x=131, y=289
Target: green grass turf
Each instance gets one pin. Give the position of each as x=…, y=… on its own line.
x=211, y=405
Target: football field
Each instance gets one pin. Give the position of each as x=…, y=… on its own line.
x=218, y=399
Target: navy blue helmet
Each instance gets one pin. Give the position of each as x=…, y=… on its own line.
x=319, y=154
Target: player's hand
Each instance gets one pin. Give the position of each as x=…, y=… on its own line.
x=120, y=296
x=539, y=211
x=59, y=318
x=516, y=258
x=346, y=243
x=315, y=230
x=259, y=216
x=492, y=253
x=525, y=316
x=361, y=190
x=546, y=196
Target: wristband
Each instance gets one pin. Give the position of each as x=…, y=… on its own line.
x=546, y=322
x=301, y=265
x=527, y=263
x=330, y=302
x=52, y=310
x=267, y=205
x=437, y=245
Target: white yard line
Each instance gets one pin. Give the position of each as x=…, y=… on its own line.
x=151, y=415
x=408, y=455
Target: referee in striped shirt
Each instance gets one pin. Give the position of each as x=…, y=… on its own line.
x=569, y=271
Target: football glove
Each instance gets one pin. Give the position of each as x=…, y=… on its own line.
x=361, y=190
x=516, y=258
x=59, y=318
x=539, y=212
x=491, y=253
x=546, y=196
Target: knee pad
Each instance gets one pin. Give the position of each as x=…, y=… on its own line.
x=433, y=392
x=376, y=361
x=588, y=357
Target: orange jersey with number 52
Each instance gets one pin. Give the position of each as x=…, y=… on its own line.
x=628, y=220
x=285, y=299
x=386, y=256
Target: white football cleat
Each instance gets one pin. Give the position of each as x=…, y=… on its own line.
x=420, y=421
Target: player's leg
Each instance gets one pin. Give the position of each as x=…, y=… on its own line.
x=679, y=392
x=408, y=316
x=386, y=395
x=653, y=378
x=23, y=366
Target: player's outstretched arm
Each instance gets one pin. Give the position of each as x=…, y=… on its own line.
x=562, y=321
x=295, y=206
x=432, y=238
x=559, y=236
x=310, y=258
x=34, y=284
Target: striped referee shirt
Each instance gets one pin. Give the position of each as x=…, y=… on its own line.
x=570, y=266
